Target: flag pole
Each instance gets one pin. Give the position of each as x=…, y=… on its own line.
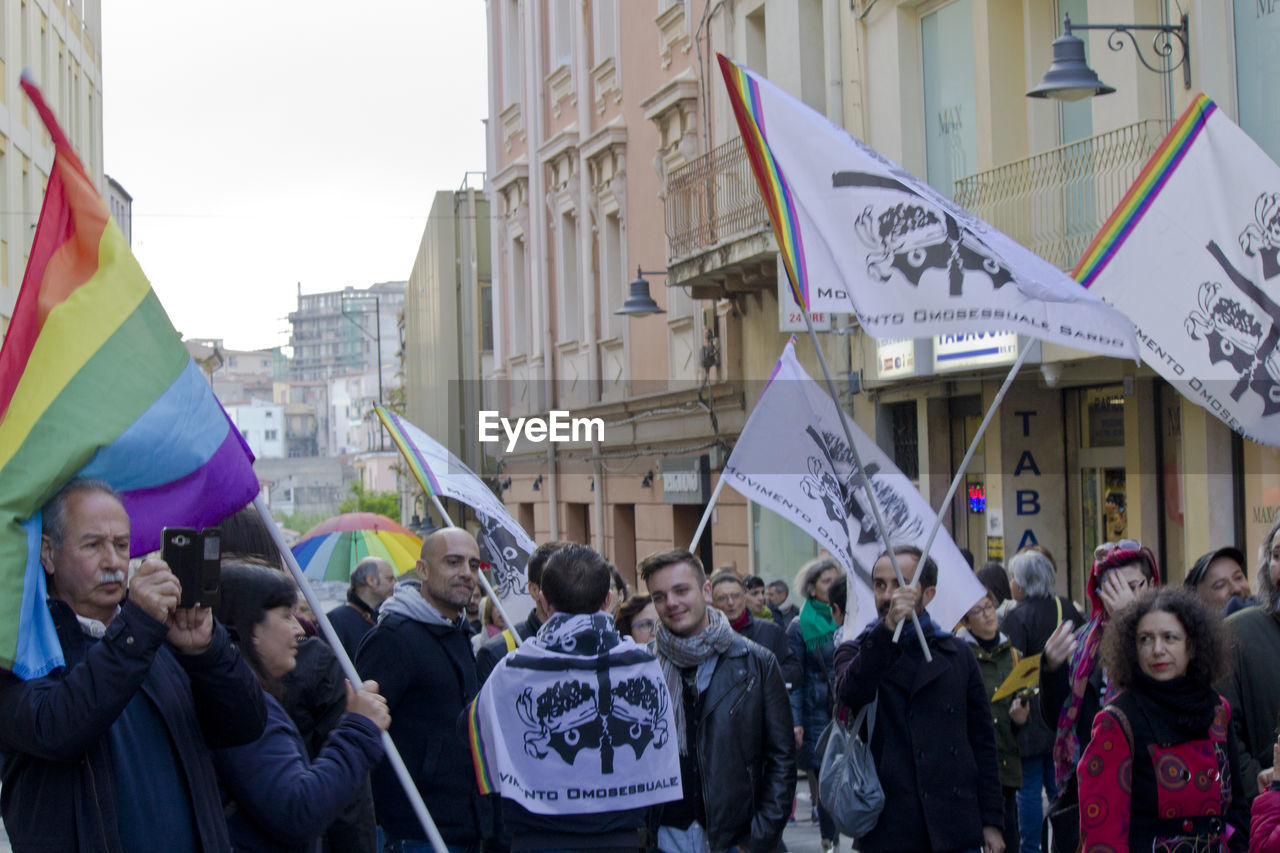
x=964, y=463
x=866, y=481
x=706, y=514
x=484, y=581
x=349, y=669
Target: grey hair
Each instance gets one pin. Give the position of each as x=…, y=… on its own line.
x=54, y=515
x=807, y=580
x=366, y=572
x=1033, y=572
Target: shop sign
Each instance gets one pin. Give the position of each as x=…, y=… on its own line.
x=686, y=479
x=895, y=358
x=974, y=349
x=790, y=317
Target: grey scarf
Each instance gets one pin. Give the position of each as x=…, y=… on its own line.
x=702, y=650
x=407, y=601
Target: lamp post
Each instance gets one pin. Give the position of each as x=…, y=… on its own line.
x=1070, y=78
x=377, y=317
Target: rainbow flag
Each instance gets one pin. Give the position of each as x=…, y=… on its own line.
x=744, y=95
x=1138, y=199
x=94, y=381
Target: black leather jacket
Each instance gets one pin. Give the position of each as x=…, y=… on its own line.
x=746, y=751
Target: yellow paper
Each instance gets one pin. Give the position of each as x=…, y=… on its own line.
x=1026, y=673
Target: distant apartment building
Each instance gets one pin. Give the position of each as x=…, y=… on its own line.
x=237, y=376
x=343, y=331
x=263, y=428
x=120, y=203
x=60, y=43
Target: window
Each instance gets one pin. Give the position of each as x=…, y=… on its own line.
x=604, y=30
x=561, y=33
x=1257, y=24
x=519, y=299
x=486, y=317
x=950, y=102
x=569, y=292
x=271, y=435
x=612, y=264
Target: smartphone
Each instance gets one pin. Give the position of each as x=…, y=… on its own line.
x=195, y=557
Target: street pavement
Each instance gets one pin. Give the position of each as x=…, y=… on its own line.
x=800, y=837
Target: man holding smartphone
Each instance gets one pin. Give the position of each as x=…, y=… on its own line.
x=110, y=752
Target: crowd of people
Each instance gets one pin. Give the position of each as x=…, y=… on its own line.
x=676, y=720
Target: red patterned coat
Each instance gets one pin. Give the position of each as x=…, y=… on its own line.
x=1142, y=788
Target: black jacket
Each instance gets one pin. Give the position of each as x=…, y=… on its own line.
x=1028, y=626
x=351, y=621
x=768, y=634
x=428, y=676
x=934, y=744
x=746, y=751
x=783, y=615
x=57, y=775
x=494, y=649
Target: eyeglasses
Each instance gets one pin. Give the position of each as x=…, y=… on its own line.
x=1107, y=548
x=981, y=610
x=727, y=598
x=643, y=625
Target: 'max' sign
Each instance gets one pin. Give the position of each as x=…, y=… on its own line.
x=1032, y=460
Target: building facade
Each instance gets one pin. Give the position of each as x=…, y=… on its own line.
x=61, y=44
x=346, y=331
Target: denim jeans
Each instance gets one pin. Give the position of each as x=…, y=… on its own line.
x=691, y=840
x=1037, y=776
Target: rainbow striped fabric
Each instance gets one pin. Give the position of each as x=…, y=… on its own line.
x=744, y=95
x=1144, y=190
x=94, y=381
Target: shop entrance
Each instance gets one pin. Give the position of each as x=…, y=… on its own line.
x=1096, y=493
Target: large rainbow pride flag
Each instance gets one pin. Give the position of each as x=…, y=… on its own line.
x=95, y=381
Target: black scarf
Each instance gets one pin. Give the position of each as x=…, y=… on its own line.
x=1187, y=702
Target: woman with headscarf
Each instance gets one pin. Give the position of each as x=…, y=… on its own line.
x=1160, y=770
x=1073, y=687
x=812, y=639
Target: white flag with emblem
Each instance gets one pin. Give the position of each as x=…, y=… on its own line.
x=792, y=458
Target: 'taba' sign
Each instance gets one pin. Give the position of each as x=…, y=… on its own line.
x=686, y=479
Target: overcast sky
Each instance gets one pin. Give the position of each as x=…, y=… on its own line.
x=271, y=143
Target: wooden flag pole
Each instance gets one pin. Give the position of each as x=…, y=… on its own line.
x=349, y=669
x=866, y=481
x=964, y=463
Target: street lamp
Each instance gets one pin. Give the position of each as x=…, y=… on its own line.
x=640, y=303
x=1070, y=78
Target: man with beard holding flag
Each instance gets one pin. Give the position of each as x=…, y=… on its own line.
x=575, y=728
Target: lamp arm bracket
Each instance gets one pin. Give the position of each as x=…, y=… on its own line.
x=1161, y=43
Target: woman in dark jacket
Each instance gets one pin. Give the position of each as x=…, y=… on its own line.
x=1028, y=625
x=812, y=639
x=1159, y=771
x=276, y=797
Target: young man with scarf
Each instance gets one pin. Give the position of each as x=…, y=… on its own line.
x=732, y=720
x=934, y=744
x=575, y=728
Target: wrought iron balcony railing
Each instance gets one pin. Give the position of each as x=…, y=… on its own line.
x=712, y=200
x=1054, y=202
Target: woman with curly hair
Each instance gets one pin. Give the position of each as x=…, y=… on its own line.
x=1160, y=772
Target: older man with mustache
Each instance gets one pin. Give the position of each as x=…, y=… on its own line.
x=110, y=752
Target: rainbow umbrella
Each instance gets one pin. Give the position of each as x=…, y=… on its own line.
x=331, y=549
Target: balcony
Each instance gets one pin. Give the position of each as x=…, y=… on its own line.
x=718, y=236
x=1054, y=202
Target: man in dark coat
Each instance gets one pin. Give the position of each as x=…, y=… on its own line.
x=420, y=655
x=934, y=744
x=776, y=594
x=110, y=752
x=729, y=596
x=496, y=647
x=372, y=582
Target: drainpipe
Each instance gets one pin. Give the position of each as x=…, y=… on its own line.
x=593, y=304
x=831, y=52
x=538, y=227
